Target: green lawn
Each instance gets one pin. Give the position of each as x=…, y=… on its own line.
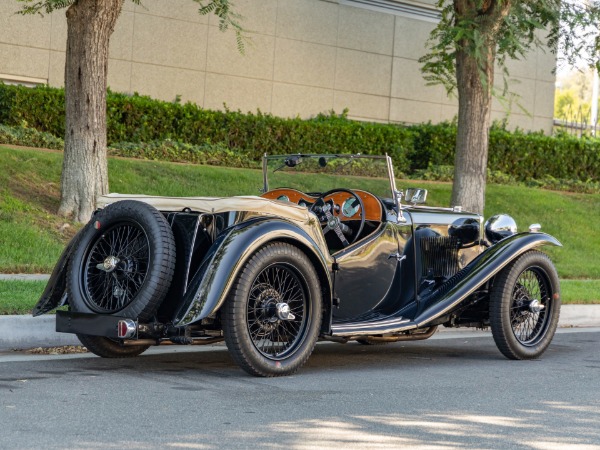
x=32, y=237
x=580, y=291
x=19, y=297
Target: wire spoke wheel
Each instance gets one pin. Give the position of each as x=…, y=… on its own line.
x=275, y=286
x=116, y=267
x=525, y=306
x=122, y=265
x=531, y=300
x=272, y=316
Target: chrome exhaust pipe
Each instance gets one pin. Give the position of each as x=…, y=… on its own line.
x=403, y=337
x=199, y=341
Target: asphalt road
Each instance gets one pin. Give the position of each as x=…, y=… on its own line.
x=442, y=393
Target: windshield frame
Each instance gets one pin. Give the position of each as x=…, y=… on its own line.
x=395, y=194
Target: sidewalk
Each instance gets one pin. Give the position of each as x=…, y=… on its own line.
x=21, y=332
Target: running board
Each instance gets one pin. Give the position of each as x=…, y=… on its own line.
x=373, y=324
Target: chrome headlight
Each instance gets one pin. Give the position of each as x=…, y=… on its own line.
x=499, y=227
x=465, y=229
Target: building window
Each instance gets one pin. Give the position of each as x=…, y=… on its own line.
x=414, y=10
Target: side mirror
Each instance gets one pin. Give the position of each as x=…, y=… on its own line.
x=415, y=196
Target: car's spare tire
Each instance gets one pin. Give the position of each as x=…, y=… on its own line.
x=124, y=262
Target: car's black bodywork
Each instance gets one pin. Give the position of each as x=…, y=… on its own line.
x=410, y=269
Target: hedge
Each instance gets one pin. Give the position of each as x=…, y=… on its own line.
x=29, y=137
x=137, y=119
x=521, y=155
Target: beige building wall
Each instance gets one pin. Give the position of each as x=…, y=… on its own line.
x=304, y=57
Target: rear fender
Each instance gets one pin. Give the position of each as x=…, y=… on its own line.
x=210, y=285
x=478, y=272
x=54, y=294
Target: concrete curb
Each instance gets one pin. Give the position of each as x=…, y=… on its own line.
x=24, y=277
x=20, y=332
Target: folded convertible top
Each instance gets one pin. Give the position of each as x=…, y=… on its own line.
x=215, y=205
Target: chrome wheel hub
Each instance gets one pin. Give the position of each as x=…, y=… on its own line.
x=109, y=264
x=535, y=306
x=283, y=312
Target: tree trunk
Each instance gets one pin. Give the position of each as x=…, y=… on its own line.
x=475, y=81
x=85, y=171
x=474, y=115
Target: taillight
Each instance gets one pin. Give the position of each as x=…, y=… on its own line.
x=126, y=329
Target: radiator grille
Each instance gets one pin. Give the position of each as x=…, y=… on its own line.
x=439, y=256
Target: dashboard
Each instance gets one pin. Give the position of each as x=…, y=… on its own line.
x=345, y=206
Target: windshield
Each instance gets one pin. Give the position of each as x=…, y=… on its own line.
x=321, y=173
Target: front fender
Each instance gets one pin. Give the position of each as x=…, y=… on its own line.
x=477, y=272
x=211, y=284
x=54, y=294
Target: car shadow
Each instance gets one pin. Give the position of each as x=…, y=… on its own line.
x=215, y=360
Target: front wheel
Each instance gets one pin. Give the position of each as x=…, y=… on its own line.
x=272, y=317
x=525, y=306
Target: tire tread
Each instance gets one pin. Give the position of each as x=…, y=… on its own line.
x=238, y=341
x=499, y=307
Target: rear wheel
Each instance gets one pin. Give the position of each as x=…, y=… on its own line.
x=525, y=306
x=109, y=348
x=272, y=317
x=123, y=266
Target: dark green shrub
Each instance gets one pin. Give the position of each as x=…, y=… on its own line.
x=29, y=137
x=42, y=108
x=210, y=135
x=534, y=155
x=211, y=154
x=433, y=145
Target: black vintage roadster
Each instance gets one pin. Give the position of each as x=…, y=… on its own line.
x=272, y=274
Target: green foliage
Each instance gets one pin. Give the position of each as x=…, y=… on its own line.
x=433, y=145
x=42, y=108
x=29, y=137
x=227, y=18
x=175, y=151
x=43, y=6
x=567, y=106
x=29, y=197
x=534, y=155
x=141, y=127
x=517, y=156
x=141, y=119
x=572, y=96
x=509, y=29
x=446, y=173
x=48, y=6
x=220, y=8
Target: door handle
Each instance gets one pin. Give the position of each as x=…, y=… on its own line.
x=398, y=256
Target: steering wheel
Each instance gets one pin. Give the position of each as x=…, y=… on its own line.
x=324, y=212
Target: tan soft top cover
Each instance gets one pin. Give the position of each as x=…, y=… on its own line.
x=215, y=205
